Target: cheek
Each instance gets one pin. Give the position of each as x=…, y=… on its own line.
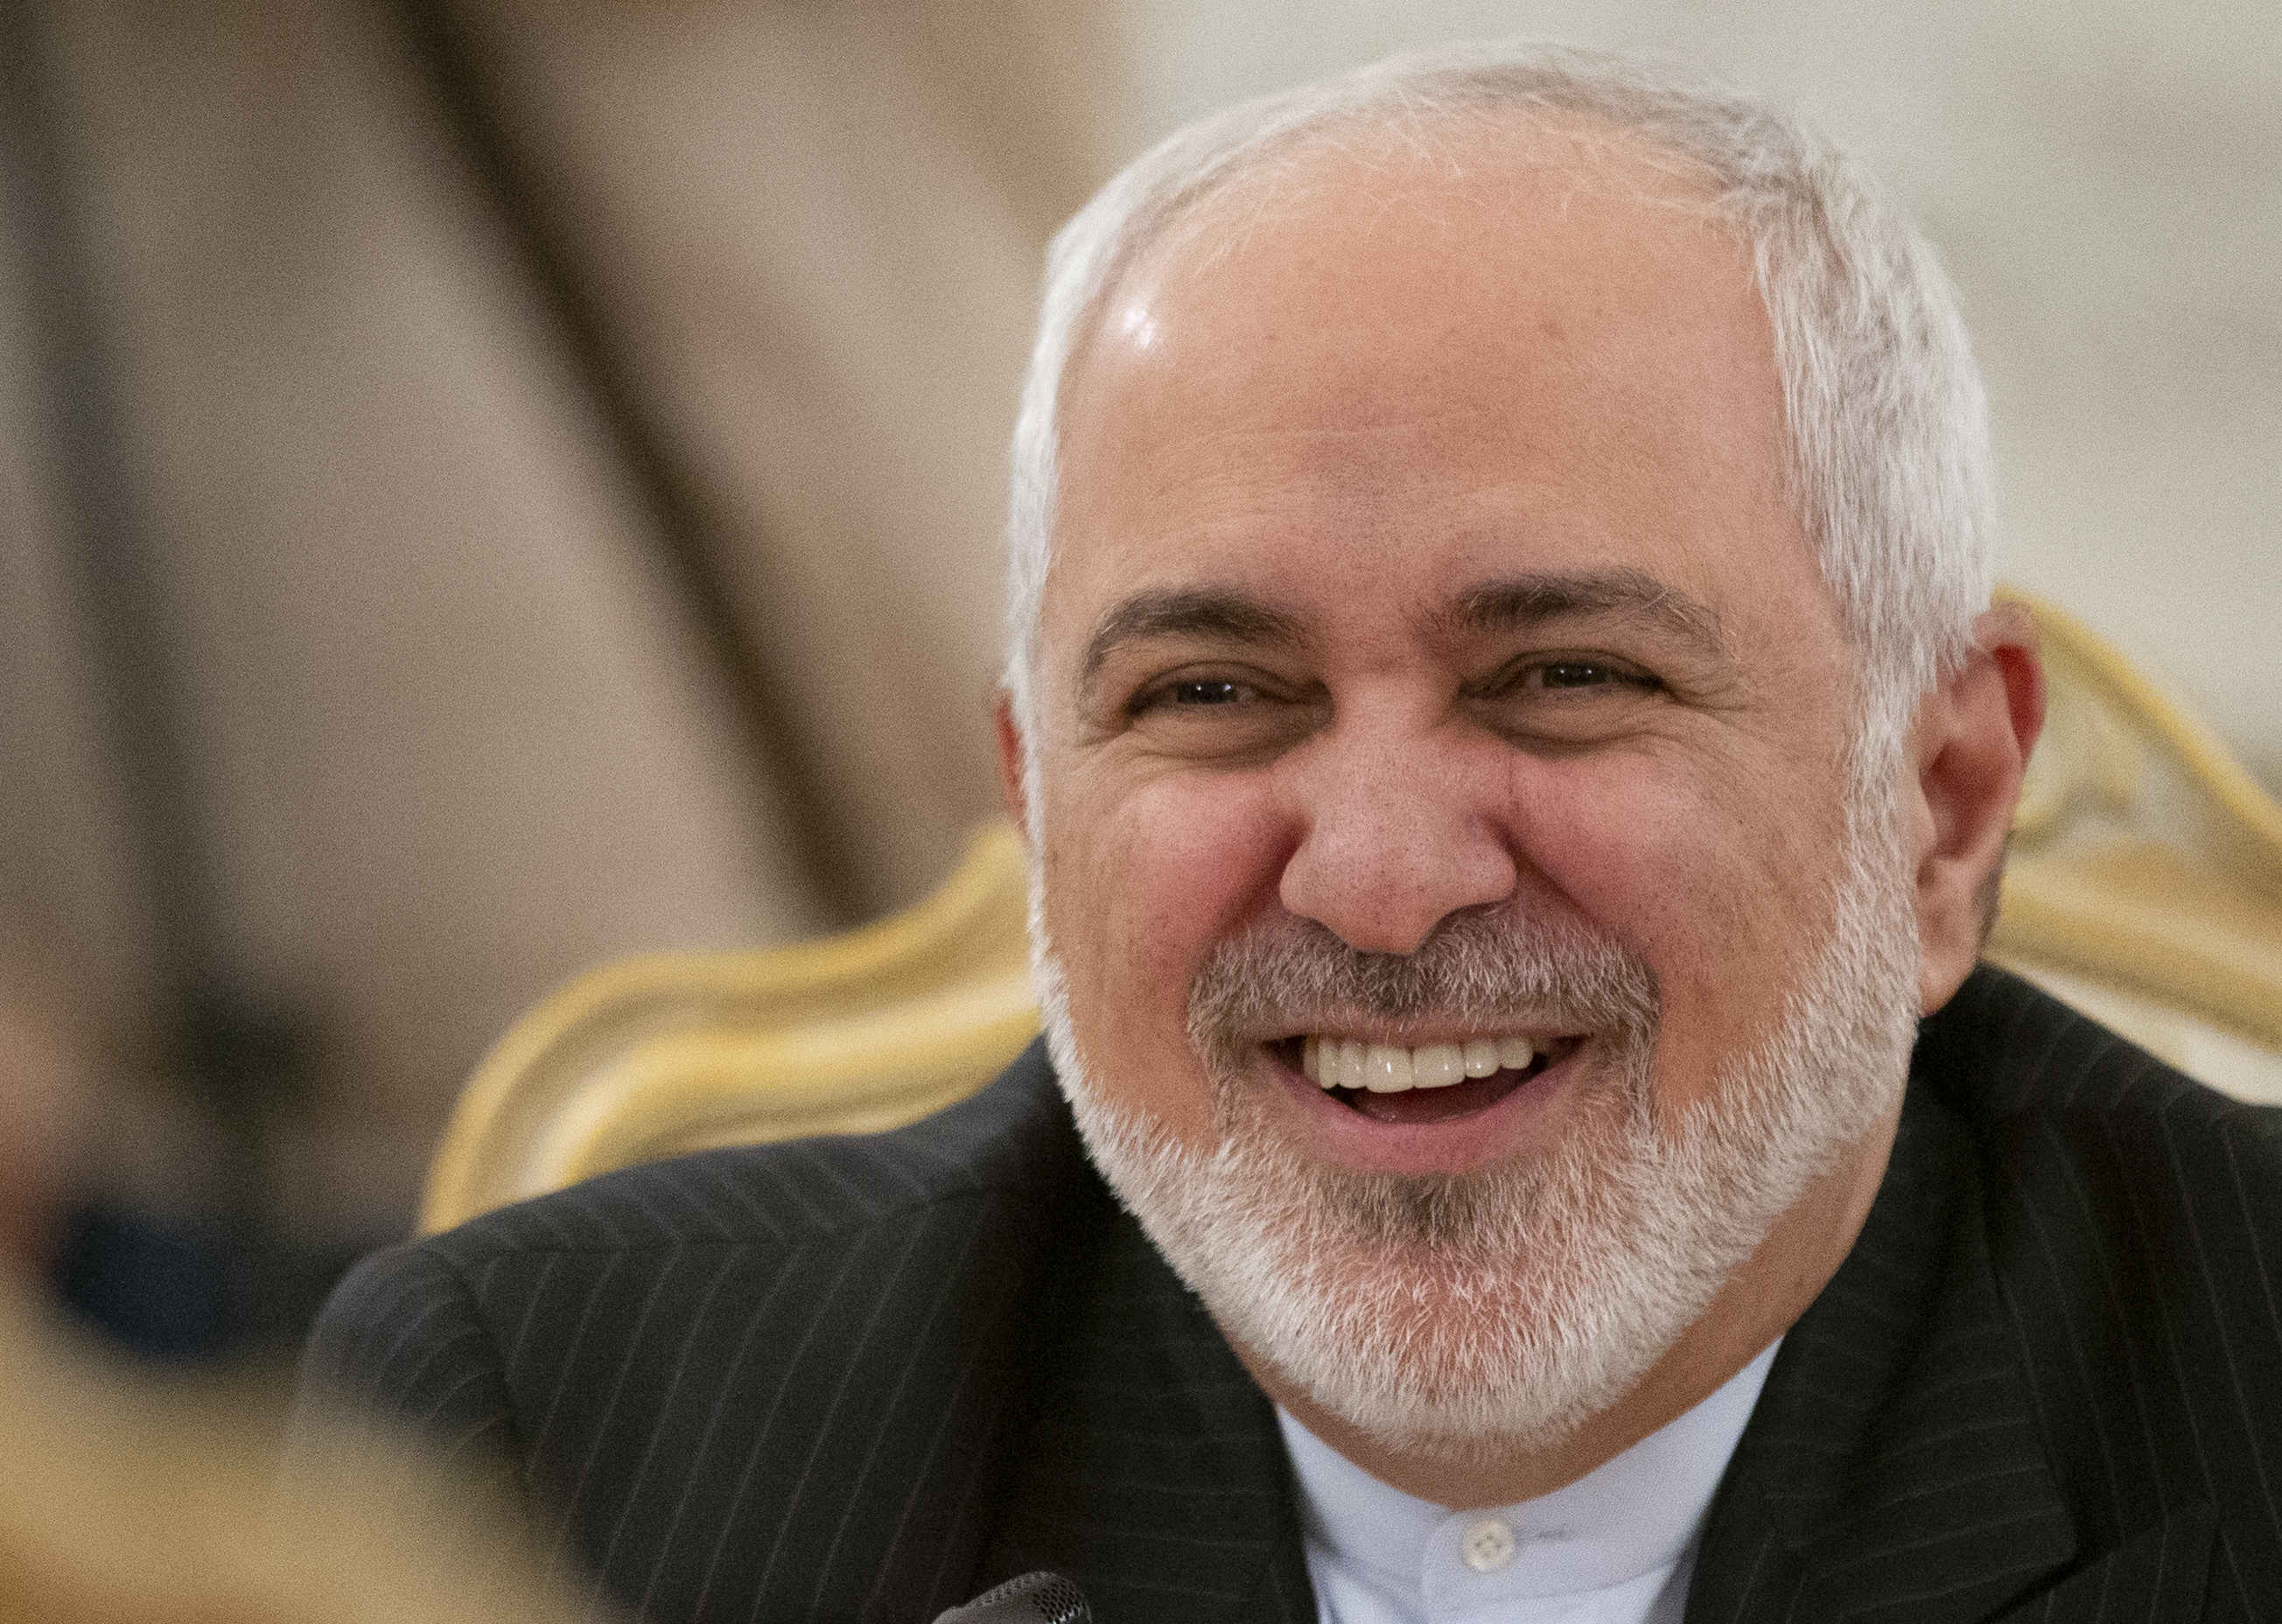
x=1143, y=882
x=1721, y=891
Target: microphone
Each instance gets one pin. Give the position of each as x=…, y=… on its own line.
x=1034, y=1599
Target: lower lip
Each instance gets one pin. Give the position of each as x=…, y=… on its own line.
x=1453, y=1145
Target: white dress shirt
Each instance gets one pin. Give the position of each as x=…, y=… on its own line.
x=1614, y=1547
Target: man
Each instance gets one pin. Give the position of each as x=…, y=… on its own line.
x=1512, y=739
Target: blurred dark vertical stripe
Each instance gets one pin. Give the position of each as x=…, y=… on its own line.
x=513, y=184
x=118, y=592
x=244, y=1061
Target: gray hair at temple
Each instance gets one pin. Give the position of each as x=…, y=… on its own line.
x=1889, y=426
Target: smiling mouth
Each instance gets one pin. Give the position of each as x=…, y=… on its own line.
x=1430, y=1083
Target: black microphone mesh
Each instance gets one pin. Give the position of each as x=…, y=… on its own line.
x=1034, y=1599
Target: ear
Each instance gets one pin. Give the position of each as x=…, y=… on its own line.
x=1010, y=762
x=1967, y=753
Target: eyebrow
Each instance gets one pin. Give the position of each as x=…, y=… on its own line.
x=1521, y=602
x=1514, y=603
x=1205, y=612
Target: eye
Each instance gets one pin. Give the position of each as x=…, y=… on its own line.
x=1541, y=675
x=1567, y=701
x=1206, y=694
x=1191, y=694
x=1219, y=714
x=1578, y=674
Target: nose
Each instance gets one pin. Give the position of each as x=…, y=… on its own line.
x=1399, y=836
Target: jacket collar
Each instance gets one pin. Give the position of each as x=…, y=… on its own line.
x=1893, y=1465
x=1148, y=1467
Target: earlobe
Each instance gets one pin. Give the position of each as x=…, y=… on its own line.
x=1010, y=762
x=1969, y=750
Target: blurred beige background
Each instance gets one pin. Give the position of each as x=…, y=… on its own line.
x=445, y=698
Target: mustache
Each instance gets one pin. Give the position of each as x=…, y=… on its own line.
x=1486, y=970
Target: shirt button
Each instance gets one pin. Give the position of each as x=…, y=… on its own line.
x=1486, y=1545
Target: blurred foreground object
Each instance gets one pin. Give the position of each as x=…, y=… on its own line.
x=2144, y=888
x=42, y=1088
x=124, y=1497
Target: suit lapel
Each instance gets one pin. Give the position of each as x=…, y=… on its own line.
x=2157, y=1578
x=1151, y=1471
x=1893, y=1467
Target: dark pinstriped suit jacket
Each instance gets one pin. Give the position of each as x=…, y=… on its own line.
x=864, y=1379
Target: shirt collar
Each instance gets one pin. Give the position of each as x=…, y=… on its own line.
x=1631, y=1515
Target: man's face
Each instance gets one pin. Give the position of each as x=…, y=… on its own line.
x=1425, y=569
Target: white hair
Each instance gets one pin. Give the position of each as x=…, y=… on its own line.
x=1888, y=431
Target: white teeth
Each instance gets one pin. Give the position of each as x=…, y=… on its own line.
x=1388, y=1069
x=1438, y=1065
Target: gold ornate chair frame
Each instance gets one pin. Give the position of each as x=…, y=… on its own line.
x=2145, y=884
x=671, y=1052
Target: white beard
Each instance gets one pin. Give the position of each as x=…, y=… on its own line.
x=1467, y=1314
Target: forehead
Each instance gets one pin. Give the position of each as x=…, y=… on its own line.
x=1500, y=332
x=1523, y=190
